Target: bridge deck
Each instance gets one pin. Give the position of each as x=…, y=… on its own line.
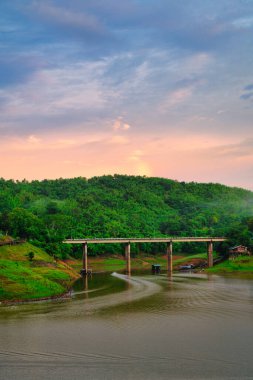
x=144, y=240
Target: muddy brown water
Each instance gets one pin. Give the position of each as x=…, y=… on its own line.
x=139, y=327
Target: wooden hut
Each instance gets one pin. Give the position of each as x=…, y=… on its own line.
x=238, y=250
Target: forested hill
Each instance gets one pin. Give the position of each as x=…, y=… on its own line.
x=47, y=211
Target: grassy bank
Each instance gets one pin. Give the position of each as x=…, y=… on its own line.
x=44, y=277
x=24, y=279
x=240, y=264
x=117, y=263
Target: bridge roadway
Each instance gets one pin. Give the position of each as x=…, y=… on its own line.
x=127, y=242
x=143, y=240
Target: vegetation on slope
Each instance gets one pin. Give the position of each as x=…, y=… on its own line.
x=239, y=264
x=23, y=277
x=46, y=212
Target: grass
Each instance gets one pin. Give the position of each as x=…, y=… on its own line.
x=110, y=264
x=21, y=279
x=239, y=264
x=19, y=252
x=189, y=258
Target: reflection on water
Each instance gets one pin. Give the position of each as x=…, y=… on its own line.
x=139, y=327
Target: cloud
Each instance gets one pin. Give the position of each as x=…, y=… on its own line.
x=94, y=78
x=246, y=96
x=17, y=68
x=33, y=139
x=243, y=23
x=116, y=125
x=58, y=96
x=120, y=125
x=68, y=21
x=220, y=112
x=240, y=149
x=179, y=96
x=248, y=93
x=249, y=87
x=176, y=98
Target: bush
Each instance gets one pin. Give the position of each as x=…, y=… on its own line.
x=30, y=256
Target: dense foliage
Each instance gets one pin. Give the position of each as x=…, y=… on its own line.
x=46, y=212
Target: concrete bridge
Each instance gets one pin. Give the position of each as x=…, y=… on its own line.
x=127, y=242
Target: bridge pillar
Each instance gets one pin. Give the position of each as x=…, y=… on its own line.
x=128, y=258
x=85, y=258
x=169, y=257
x=210, y=254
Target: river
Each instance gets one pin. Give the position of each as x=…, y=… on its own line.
x=140, y=327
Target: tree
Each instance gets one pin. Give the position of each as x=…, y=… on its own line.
x=30, y=256
x=240, y=234
x=24, y=224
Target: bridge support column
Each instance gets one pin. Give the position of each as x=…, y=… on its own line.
x=210, y=254
x=85, y=258
x=169, y=257
x=128, y=258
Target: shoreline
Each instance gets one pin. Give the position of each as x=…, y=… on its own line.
x=65, y=295
x=68, y=294
x=143, y=263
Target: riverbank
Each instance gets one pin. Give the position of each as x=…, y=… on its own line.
x=241, y=264
x=118, y=263
x=29, y=273
x=41, y=277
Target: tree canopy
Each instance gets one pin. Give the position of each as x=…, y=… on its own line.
x=49, y=211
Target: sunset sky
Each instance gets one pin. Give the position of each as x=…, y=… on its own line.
x=145, y=87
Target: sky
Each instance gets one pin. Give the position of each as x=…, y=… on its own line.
x=160, y=88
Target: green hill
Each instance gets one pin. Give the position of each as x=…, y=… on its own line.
x=48, y=211
x=22, y=278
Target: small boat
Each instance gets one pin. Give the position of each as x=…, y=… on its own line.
x=186, y=267
x=156, y=268
x=83, y=272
